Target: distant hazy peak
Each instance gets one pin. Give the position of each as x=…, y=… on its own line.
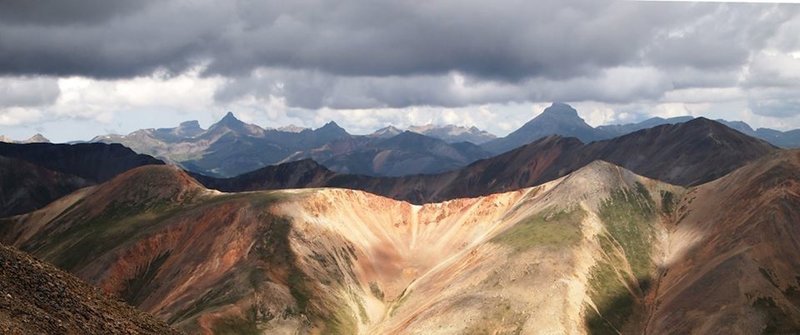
x=190, y=124
x=331, y=127
x=386, y=132
x=38, y=138
x=229, y=119
x=291, y=129
x=561, y=110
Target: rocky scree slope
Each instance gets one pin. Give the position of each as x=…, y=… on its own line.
x=37, y=298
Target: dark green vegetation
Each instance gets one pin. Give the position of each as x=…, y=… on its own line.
x=550, y=228
x=668, y=202
x=777, y=320
x=134, y=286
x=614, y=302
x=629, y=216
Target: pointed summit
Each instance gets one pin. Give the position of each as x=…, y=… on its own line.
x=38, y=138
x=561, y=109
x=230, y=119
x=331, y=129
x=558, y=119
x=230, y=123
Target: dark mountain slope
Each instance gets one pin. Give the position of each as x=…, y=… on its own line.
x=407, y=153
x=688, y=153
x=27, y=187
x=95, y=162
x=37, y=298
x=297, y=174
x=33, y=175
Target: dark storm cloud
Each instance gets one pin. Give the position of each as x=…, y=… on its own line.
x=510, y=40
x=48, y=12
x=360, y=54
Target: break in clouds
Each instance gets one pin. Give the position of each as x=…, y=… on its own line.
x=636, y=58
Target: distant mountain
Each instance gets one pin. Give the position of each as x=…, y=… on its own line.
x=407, y=153
x=228, y=147
x=386, y=132
x=454, y=134
x=686, y=154
x=558, y=119
x=34, y=175
x=561, y=119
x=292, y=129
x=37, y=138
x=231, y=147
x=784, y=139
x=622, y=129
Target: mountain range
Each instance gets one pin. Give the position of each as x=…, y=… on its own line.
x=231, y=147
x=685, y=154
x=36, y=138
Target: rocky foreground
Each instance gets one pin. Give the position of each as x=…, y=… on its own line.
x=37, y=298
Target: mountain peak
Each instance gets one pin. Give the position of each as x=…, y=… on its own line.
x=229, y=118
x=562, y=110
x=189, y=124
x=386, y=132
x=38, y=138
x=331, y=124
x=331, y=127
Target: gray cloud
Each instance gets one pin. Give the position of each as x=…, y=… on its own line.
x=377, y=54
x=28, y=92
x=42, y=12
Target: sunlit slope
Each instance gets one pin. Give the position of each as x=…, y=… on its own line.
x=570, y=256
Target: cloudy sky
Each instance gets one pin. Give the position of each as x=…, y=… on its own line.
x=77, y=68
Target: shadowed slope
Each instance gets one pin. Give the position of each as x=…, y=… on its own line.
x=33, y=175
x=735, y=244
x=25, y=187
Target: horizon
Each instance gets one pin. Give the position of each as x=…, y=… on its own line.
x=403, y=128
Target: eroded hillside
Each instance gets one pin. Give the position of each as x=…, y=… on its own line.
x=734, y=254
x=574, y=255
